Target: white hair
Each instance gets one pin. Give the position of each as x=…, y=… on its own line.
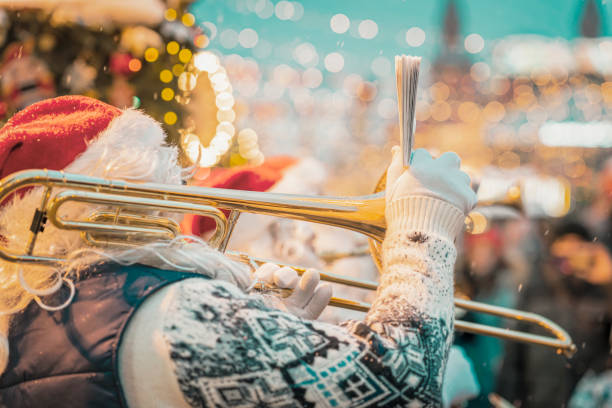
x=132, y=148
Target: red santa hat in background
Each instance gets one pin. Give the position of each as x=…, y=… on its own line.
x=491, y=238
x=281, y=174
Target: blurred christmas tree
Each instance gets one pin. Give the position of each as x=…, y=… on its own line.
x=129, y=53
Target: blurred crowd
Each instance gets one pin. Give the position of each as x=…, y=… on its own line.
x=562, y=270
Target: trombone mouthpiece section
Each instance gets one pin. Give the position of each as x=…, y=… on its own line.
x=407, y=77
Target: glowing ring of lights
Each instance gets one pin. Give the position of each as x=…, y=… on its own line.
x=207, y=62
x=187, y=72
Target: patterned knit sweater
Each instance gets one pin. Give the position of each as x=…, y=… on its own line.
x=230, y=349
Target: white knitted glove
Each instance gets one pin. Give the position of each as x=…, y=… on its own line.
x=432, y=196
x=308, y=298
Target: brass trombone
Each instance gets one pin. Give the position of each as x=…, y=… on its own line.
x=125, y=225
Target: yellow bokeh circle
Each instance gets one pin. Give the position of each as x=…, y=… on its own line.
x=167, y=94
x=188, y=19
x=170, y=14
x=170, y=118
x=151, y=54
x=173, y=47
x=165, y=76
x=178, y=69
x=185, y=55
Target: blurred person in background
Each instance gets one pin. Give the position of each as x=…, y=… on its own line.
x=572, y=288
x=484, y=276
x=598, y=216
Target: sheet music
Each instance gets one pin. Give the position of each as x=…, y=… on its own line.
x=407, y=77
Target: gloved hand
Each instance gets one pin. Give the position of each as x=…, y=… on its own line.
x=439, y=178
x=411, y=194
x=308, y=298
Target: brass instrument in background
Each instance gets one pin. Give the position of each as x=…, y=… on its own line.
x=122, y=222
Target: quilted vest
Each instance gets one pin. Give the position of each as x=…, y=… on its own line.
x=68, y=358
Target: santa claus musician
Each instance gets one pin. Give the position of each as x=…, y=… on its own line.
x=172, y=324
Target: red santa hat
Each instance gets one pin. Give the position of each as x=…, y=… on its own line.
x=492, y=237
x=281, y=174
x=82, y=135
x=52, y=133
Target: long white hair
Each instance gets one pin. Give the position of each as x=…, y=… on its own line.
x=132, y=149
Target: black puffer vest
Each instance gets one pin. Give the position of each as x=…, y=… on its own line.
x=68, y=359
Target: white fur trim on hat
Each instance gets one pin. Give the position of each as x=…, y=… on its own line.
x=307, y=176
x=131, y=148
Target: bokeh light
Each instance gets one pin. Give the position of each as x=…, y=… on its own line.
x=306, y=54
x=170, y=14
x=284, y=10
x=474, y=43
x=368, y=29
x=188, y=19
x=334, y=62
x=339, y=23
x=201, y=41
x=135, y=65
x=151, y=54
x=187, y=81
x=173, y=47
x=185, y=55
x=177, y=69
x=206, y=61
x=312, y=78
x=415, y=37
x=248, y=38
x=166, y=76
x=170, y=118
x=167, y=94
x=480, y=71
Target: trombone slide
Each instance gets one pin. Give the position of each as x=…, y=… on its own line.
x=559, y=339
